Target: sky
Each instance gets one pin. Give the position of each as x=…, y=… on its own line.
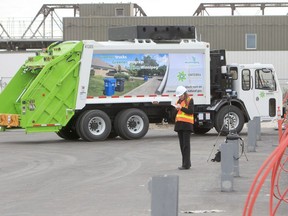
x=29, y=8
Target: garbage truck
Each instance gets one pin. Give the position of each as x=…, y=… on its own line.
x=95, y=90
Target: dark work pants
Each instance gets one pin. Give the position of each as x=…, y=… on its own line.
x=184, y=140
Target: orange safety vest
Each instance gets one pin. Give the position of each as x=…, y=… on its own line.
x=184, y=117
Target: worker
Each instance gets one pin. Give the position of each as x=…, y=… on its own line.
x=184, y=124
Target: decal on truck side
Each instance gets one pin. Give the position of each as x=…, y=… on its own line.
x=163, y=71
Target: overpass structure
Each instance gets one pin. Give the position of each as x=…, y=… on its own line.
x=38, y=35
x=45, y=28
x=25, y=44
x=202, y=9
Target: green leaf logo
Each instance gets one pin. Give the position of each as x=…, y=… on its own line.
x=181, y=76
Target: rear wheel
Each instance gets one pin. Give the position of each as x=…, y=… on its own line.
x=94, y=125
x=69, y=131
x=131, y=124
x=112, y=134
x=229, y=118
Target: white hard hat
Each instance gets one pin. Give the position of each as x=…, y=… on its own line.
x=180, y=90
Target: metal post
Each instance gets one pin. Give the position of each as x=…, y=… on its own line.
x=164, y=195
x=252, y=134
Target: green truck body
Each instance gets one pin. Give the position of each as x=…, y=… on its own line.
x=42, y=94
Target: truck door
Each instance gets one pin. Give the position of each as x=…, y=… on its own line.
x=264, y=94
x=244, y=87
x=258, y=90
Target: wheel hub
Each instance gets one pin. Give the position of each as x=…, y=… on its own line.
x=132, y=124
x=135, y=124
x=94, y=125
x=231, y=121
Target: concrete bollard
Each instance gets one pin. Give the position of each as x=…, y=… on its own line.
x=257, y=121
x=164, y=195
x=227, y=167
x=233, y=139
x=252, y=136
x=229, y=162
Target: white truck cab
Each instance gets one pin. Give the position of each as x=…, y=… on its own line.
x=258, y=87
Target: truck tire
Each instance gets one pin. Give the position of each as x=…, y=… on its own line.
x=228, y=114
x=67, y=133
x=93, y=125
x=200, y=130
x=131, y=124
x=115, y=123
x=112, y=134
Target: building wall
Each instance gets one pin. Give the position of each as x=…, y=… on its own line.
x=222, y=32
x=229, y=32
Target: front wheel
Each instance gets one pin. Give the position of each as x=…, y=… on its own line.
x=131, y=124
x=229, y=118
x=200, y=130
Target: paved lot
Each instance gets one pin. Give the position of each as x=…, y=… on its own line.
x=42, y=175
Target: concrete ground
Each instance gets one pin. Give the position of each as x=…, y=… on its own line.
x=43, y=175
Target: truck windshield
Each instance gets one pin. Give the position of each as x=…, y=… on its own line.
x=264, y=79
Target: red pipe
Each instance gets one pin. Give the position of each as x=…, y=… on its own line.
x=271, y=164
